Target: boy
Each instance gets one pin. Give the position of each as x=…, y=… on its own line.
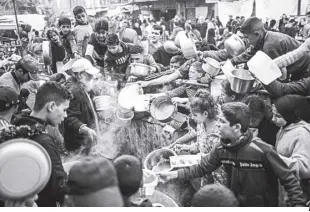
x=68, y=38
x=82, y=30
x=253, y=166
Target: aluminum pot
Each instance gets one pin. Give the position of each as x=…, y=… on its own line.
x=241, y=81
x=25, y=169
x=158, y=160
x=211, y=66
x=163, y=110
x=234, y=45
x=139, y=70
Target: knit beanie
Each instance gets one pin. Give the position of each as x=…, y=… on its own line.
x=93, y=183
x=129, y=174
x=214, y=195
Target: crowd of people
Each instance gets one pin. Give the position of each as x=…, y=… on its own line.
x=254, y=145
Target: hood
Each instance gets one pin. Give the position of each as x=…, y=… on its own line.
x=297, y=125
x=245, y=139
x=28, y=120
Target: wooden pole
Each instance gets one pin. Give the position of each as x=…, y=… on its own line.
x=17, y=26
x=299, y=7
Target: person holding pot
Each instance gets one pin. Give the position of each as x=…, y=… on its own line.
x=57, y=51
x=239, y=150
x=291, y=113
x=204, y=111
x=82, y=122
x=97, y=48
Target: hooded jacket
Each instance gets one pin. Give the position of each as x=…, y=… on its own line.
x=54, y=191
x=253, y=168
x=293, y=143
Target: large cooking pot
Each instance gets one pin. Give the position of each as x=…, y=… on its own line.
x=139, y=70
x=159, y=160
x=241, y=81
x=186, y=44
x=211, y=66
x=234, y=45
x=25, y=169
x=162, y=109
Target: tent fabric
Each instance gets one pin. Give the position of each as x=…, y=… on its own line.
x=235, y=8
x=274, y=9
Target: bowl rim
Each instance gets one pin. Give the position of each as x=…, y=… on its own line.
x=153, y=152
x=233, y=75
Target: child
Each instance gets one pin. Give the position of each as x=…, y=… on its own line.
x=68, y=37
x=82, y=30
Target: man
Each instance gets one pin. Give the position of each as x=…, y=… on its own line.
x=306, y=30
x=229, y=24
x=253, y=167
x=26, y=69
x=52, y=102
x=82, y=118
x=176, y=29
x=8, y=105
x=154, y=41
x=202, y=27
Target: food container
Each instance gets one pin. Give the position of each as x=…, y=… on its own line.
x=139, y=70
x=150, y=181
x=103, y=103
x=159, y=160
x=186, y=44
x=162, y=109
x=25, y=169
x=211, y=66
x=124, y=119
x=182, y=161
x=128, y=95
x=241, y=81
x=264, y=68
x=142, y=103
x=234, y=45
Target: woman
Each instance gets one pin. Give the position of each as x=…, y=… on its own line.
x=57, y=51
x=204, y=111
x=292, y=143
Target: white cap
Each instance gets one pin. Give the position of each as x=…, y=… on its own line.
x=82, y=65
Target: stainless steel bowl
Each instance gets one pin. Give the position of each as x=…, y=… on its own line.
x=159, y=159
x=241, y=81
x=211, y=66
x=234, y=45
x=139, y=70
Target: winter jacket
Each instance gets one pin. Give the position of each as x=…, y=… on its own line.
x=69, y=43
x=278, y=89
x=9, y=79
x=267, y=131
x=293, y=143
x=57, y=54
x=80, y=112
x=253, y=169
x=96, y=51
x=55, y=189
x=161, y=56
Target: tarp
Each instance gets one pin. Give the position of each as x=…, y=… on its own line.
x=274, y=9
x=36, y=21
x=236, y=8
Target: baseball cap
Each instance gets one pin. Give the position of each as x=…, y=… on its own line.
x=31, y=65
x=8, y=98
x=93, y=183
x=82, y=65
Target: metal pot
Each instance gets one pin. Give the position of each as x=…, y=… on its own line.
x=241, y=81
x=162, y=109
x=157, y=157
x=211, y=66
x=103, y=103
x=127, y=96
x=234, y=45
x=25, y=169
x=139, y=70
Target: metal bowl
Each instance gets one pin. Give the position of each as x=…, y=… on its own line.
x=234, y=45
x=103, y=103
x=211, y=66
x=241, y=81
x=159, y=160
x=25, y=169
x=162, y=109
x=139, y=70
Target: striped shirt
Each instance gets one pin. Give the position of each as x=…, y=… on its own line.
x=3, y=123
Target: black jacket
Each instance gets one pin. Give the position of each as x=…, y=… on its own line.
x=79, y=113
x=267, y=131
x=55, y=189
x=253, y=169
